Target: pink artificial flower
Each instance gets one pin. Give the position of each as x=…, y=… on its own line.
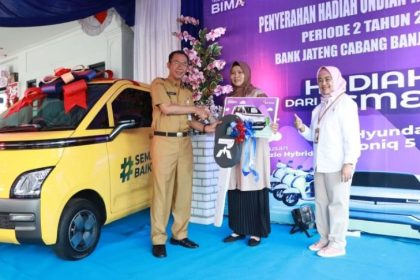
x=219, y=90
x=215, y=33
x=197, y=96
x=178, y=35
x=215, y=111
x=193, y=57
x=187, y=36
x=188, y=20
x=227, y=89
x=194, y=42
x=194, y=78
x=183, y=36
x=218, y=64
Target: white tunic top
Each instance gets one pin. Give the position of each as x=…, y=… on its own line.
x=261, y=160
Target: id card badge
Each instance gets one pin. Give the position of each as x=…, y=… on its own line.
x=316, y=136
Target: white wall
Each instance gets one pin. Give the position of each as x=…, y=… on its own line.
x=114, y=46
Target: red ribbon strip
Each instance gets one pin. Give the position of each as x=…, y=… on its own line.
x=75, y=95
x=61, y=71
x=30, y=95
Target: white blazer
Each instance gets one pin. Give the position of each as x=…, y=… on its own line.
x=339, y=135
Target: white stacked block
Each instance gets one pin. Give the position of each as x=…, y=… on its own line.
x=204, y=180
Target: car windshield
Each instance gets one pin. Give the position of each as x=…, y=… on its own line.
x=252, y=110
x=49, y=114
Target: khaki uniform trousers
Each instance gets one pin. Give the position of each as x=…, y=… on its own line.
x=172, y=166
x=332, y=208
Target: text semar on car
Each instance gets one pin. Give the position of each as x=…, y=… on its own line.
x=64, y=175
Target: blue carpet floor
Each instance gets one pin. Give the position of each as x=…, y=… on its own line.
x=124, y=252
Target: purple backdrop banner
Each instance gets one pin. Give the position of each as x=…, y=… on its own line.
x=376, y=44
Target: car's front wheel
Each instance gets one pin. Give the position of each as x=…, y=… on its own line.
x=79, y=230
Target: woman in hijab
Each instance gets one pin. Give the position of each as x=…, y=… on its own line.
x=335, y=133
x=248, y=202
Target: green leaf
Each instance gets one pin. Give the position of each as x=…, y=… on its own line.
x=213, y=85
x=202, y=33
x=217, y=51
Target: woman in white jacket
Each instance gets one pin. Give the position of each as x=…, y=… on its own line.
x=335, y=133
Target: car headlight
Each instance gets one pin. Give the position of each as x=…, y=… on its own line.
x=29, y=184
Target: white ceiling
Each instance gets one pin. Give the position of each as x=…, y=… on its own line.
x=14, y=39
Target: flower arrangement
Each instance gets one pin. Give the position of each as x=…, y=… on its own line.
x=203, y=74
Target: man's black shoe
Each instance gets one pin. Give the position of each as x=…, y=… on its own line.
x=159, y=251
x=184, y=243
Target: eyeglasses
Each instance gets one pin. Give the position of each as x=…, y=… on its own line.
x=179, y=63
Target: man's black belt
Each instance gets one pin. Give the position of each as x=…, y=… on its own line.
x=171, y=134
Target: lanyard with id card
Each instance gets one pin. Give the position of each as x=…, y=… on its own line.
x=320, y=116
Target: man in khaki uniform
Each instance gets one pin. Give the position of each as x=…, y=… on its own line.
x=172, y=155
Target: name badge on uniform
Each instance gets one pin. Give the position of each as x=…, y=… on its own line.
x=171, y=93
x=316, y=138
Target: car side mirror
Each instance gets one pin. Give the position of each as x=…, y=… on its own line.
x=122, y=125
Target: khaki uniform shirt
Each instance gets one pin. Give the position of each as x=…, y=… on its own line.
x=166, y=92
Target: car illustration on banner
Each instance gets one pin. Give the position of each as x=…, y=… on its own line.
x=252, y=114
x=66, y=171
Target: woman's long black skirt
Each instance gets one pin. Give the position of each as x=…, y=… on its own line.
x=249, y=212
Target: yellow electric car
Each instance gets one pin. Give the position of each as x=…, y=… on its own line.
x=65, y=174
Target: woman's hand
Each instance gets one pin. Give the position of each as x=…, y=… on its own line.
x=274, y=127
x=299, y=124
x=346, y=172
